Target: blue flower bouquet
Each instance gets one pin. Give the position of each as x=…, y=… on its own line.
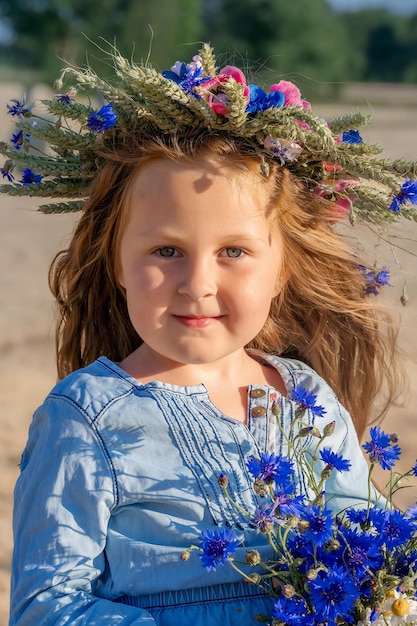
x=356, y=566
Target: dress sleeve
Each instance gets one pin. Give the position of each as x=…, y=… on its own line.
x=64, y=497
x=349, y=488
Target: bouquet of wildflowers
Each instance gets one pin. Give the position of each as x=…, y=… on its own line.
x=357, y=566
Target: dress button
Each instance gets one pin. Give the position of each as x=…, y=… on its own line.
x=258, y=411
x=258, y=393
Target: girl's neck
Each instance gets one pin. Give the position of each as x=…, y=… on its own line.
x=226, y=381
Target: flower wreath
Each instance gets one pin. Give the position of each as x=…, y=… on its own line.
x=330, y=158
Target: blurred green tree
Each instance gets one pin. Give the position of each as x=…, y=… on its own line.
x=299, y=39
x=46, y=34
x=383, y=42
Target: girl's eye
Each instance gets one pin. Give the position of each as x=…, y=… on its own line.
x=166, y=252
x=234, y=253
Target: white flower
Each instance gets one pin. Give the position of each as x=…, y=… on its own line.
x=400, y=610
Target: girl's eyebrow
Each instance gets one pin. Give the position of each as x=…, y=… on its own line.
x=176, y=239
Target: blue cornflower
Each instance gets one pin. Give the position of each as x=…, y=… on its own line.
x=18, y=139
x=352, y=136
x=292, y=611
x=414, y=469
x=407, y=193
x=405, y=564
x=285, y=504
x=333, y=594
x=29, y=177
x=307, y=554
x=307, y=400
x=334, y=461
x=372, y=519
x=6, y=173
x=271, y=467
x=217, y=546
x=100, y=121
x=376, y=518
x=357, y=516
x=362, y=553
x=380, y=449
x=396, y=529
x=259, y=100
x=18, y=109
x=375, y=279
x=411, y=512
x=320, y=525
x=187, y=76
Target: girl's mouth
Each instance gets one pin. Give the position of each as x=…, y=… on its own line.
x=196, y=322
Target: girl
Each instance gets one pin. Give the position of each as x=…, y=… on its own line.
x=203, y=287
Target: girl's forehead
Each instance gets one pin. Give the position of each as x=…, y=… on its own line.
x=170, y=194
x=205, y=165
x=199, y=175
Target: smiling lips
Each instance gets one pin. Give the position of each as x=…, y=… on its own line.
x=196, y=322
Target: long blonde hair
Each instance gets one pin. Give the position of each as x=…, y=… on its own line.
x=321, y=315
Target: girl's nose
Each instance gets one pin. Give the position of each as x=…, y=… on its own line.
x=198, y=280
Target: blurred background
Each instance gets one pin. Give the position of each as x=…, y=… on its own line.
x=323, y=44
x=346, y=55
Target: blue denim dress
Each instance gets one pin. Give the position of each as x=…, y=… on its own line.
x=119, y=477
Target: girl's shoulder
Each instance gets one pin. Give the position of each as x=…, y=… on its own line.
x=95, y=386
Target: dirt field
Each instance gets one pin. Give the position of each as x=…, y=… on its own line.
x=30, y=239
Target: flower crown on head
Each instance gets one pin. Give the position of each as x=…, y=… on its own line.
x=330, y=158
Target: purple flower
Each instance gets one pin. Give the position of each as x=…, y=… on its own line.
x=102, y=120
x=259, y=100
x=375, y=279
x=64, y=98
x=407, y=193
x=217, y=546
x=380, y=449
x=361, y=552
x=334, y=461
x=270, y=468
x=19, y=138
x=18, y=109
x=333, y=594
x=414, y=469
x=352, y=136
x=264, y=518
x=283, y=150
x=29, y=177
x=307, y=400
x=285, y=504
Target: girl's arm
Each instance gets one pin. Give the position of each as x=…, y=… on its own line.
x=63, y=500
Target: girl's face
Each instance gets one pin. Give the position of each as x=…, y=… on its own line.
x=199, y=261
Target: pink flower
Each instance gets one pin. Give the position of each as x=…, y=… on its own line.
x=212, y=88
x=342, y=204
x=292, y=94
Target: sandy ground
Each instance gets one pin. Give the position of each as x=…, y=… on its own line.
x=28, y=241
